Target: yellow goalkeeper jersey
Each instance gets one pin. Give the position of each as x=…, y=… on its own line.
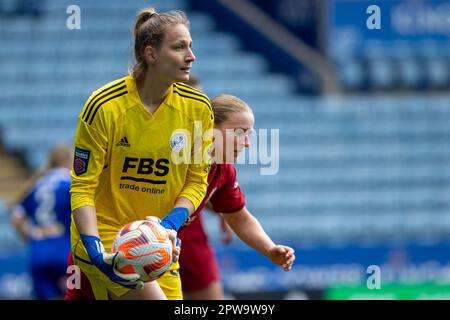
x=130, y=163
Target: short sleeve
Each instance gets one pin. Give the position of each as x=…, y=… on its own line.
x=229, y=198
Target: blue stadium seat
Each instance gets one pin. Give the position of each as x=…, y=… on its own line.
x=438, y=72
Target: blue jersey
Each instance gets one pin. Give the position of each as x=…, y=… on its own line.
x=47, y=206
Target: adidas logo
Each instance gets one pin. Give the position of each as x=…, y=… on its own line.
x=123, y=143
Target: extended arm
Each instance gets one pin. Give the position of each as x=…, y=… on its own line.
x=249, y=230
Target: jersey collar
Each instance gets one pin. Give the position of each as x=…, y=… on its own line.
x=132, y=89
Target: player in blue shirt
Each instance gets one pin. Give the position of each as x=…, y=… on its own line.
x=43, y=219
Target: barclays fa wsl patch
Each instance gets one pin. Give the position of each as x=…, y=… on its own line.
x=80, y=161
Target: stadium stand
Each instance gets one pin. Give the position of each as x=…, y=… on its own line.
x=401, y=66
x=351, y=168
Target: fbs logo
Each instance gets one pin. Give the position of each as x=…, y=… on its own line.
x=123, y=143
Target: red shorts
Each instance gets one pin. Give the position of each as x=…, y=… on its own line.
x=198, y=266
x=85, y=291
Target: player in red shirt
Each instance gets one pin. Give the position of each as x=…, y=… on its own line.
x=198, y=267
x=201, y=280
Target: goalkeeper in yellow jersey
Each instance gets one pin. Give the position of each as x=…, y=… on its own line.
x=141, y=148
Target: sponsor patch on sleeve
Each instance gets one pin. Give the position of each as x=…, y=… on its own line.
x=81, y=161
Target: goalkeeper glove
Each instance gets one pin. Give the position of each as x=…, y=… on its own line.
x=176, y=242
x=106, y=262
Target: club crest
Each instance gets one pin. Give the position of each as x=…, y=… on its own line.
x=178, y=141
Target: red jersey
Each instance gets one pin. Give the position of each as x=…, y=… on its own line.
x=223, y=191
x=198, y=266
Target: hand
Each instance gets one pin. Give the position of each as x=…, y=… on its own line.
x=172, y=222
x=282, y=256
x=226, y=231
x=176, y=242
x=106, y=263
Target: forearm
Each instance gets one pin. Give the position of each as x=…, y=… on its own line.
x=85, y=219
x=182, y=210
x=185, y=203
x=249, y=230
